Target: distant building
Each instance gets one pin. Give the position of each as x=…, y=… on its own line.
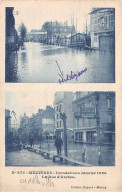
x=24, y=129
x=8, y=133
x=36, y=36
x=38, y=124
x=94, y=118
x=48, y=116
x=102, y=22
x=63, y=104
x=77, y=40
x=57, y=30
x=61, y=28
x=7, y=120
x=31, y=125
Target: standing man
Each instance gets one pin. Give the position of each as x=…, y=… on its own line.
x=58, y=144
x=31, y=140
x=48, y=144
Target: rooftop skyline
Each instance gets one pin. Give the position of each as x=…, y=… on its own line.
x=34, y=17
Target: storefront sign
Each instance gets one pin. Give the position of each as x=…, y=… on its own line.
x=88, y=110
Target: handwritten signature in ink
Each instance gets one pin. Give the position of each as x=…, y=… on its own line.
x=35, y=180
x=71, y=76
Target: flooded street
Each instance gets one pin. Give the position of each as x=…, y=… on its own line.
x=75, y=150
x=36, y=63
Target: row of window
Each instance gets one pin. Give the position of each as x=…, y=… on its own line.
x=48, y=125
x=90, y=136
x=95, y=38
x=59, y=124
x=105, y=22
x=58, y=108
x=85, y=122
x=89, y=107
x=61, y=30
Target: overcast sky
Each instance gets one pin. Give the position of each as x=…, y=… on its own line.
x=28, y=103
x=34, y=16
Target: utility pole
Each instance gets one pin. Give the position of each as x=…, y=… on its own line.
x=86, y=26
x=98, y=131
x=98, y=120
x=76, y=20
x=63, y=117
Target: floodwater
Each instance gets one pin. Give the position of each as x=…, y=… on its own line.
x=74, y=150
x=37, y=63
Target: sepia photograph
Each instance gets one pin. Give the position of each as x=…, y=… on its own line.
x=53, y=44
x=62, y=128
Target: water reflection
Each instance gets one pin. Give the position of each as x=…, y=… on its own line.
x=32, y=64
x=11, y=66
x=24, y=59
x=54, y=51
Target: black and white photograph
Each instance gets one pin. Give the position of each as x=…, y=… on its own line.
x=61, y=128
x=60, y=96
x=53, y=44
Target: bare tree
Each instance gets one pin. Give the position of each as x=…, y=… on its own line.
x=23, y=31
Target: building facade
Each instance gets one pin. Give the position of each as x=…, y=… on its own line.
x=38, y=125
x=102, y=28
x=11, y=33
x=8, y=133
x=36, y=36
x=77, y=40
x=48, y=116
x=31, y=125
x=94, y=118
x=56, y=31
x=63, y=104
x=7, y=121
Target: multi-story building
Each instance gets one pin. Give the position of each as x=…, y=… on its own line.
x=57, y=31
x=11, y=33
x=31, y=125
x=7, y=121
x=36, y=36
x=8, y=133
x=102, y=28
x=38, y=124
x=63, y=104
x=94, y=118
x=24, y=129
x=48, y=116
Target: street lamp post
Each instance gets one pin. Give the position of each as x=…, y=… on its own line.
x=98, y=120
x=63, y=117
x=98, y=130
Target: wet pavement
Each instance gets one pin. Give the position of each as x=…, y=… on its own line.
x=106, y=157
x=26, y=158
x=36, y=63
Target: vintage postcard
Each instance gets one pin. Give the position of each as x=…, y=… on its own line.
x=60, y=96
